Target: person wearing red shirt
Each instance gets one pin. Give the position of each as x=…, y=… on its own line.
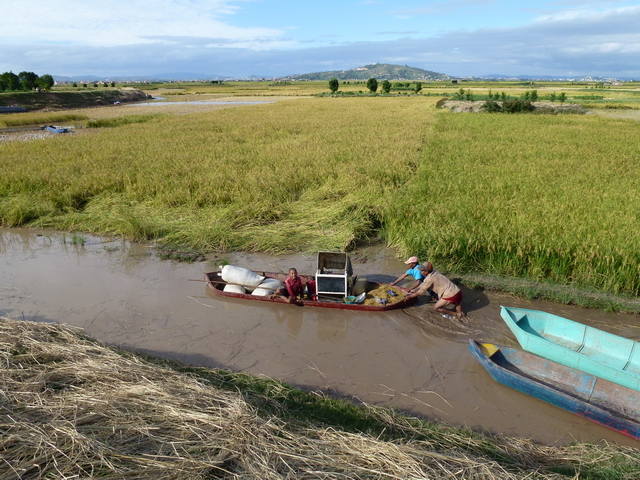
x=293, y=285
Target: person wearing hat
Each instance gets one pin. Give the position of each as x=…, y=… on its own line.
x=448, y=292
x=413, y=272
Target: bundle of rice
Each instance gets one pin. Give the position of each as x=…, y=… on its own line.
x=382, y=292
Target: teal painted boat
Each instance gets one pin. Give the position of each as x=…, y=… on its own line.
x=576, y=345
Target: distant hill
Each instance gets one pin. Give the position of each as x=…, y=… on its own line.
x=379, y=71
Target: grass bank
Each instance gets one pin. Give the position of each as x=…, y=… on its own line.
x=76, y=408
x=58, y=99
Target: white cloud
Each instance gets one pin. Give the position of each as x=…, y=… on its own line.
x=173, y=39
x=123, y=22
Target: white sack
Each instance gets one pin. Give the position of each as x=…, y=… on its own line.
x=263, y=292
x=271, y=283
x=241, y=276
x=234, y=289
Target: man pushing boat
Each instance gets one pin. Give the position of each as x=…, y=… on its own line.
x=448, y=292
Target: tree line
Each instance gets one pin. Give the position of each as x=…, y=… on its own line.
x=372, y=85
x=25, y=81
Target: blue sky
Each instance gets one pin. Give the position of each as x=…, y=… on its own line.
x=282, y=37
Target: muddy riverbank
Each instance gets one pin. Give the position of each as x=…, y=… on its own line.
x=412, y=359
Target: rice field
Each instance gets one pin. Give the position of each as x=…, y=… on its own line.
x=302, y=174
x=539, y=197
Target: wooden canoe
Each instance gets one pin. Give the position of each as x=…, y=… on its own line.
x=603, y=402
x=575, y=345
x=216, y=285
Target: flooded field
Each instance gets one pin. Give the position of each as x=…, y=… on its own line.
x=412, y=359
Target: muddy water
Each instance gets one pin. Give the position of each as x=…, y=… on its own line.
x=411, y=359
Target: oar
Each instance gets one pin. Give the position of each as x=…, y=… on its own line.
x=226, y=283
x=251, y=286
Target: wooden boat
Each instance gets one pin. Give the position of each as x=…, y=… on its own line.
x=575, y=345
x=216, y=284
x=590, y=397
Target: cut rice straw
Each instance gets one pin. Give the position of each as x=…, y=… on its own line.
x=72, y=407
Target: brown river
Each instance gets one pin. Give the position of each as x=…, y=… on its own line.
x=412, y=359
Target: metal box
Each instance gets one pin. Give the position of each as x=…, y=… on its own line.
x=333, y=274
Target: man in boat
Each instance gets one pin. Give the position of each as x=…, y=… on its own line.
x=448, y=292
x=292, y=289
x=413, y=272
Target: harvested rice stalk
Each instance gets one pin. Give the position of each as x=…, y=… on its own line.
x=382, y=292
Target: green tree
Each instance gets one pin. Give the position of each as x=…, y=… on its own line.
x=10, y=81
x=386, y=86
x=418, y=87
x=27, y=80
x=334, y=85
x=45, y=81
x=534, y=95
x=562, y=97
x=372, y=85
x=113, y=84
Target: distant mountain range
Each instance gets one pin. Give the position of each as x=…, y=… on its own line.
x=548, y=78
x=379, y=71
x=160, y=77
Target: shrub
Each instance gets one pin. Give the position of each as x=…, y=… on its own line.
x=516, y=106
x=491, y=106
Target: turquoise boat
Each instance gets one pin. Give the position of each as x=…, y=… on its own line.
x=575, y=345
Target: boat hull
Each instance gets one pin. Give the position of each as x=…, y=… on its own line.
x=216, y=284
x=575, y=345
x=595, y=399
x=53, y=129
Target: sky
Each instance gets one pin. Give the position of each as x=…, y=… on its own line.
x=275, y=38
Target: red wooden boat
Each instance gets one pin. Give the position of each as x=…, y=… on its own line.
x=216, y=284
